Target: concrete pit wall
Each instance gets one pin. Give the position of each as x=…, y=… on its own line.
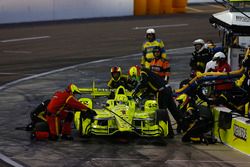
x=16, y=11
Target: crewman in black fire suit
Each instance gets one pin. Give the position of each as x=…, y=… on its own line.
x=163, y=93
x=197, y=118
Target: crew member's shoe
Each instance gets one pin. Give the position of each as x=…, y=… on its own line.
x=53, y=138
x=67, y=137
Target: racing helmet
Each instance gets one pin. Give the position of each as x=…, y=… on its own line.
x=182, y=100
x=72, y=88
x=134, y=72
x=157, y=52
x=150, y=34
x=216, y=56
x=116, y=72
x=219, y=56
x=199, y=45
x=199, y=42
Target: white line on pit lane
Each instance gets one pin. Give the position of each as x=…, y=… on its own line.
x=9, y=161
x=75, y=66
x=17, y=52
x=160, y=26
x=13, y=73
x=24, y=39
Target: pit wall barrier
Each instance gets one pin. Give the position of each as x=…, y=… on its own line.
x=21, y=11
x=157, y=7
x=232, y=130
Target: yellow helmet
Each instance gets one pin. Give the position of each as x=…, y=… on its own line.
x=134, y=71
x=182, y=100
x=73, y=89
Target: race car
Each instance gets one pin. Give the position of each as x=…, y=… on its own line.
x=122, y=115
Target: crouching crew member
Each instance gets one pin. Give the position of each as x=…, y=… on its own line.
x=197, y=118
x=38, y=115
x=59, y=112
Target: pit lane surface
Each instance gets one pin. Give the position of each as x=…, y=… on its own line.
x=109, y=42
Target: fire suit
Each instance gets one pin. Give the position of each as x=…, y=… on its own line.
x=240, y=101
x=147, y=51
x=59, y=115
x=122, y=81
x=197, y=120
x=199, y=60
x=161, y=67
x=223, y=66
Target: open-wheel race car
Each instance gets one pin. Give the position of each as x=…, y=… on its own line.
x=122, y=114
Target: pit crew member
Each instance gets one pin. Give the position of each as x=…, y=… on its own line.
x=197, y=118
x=148, y=46
x=163, y=93
x=200, y=56
x=159, y=65
x=59, y=116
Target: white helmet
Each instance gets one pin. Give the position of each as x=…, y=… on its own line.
x=219, y=55
x=150, y=31
x=198, y=41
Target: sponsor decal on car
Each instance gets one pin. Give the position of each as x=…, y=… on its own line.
x=240, y=132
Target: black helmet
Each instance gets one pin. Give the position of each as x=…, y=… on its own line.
x=116, y=72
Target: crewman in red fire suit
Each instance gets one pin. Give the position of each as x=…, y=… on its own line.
x=60, y=115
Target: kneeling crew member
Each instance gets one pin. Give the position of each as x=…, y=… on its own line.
x=59, y=109
x=197, y=118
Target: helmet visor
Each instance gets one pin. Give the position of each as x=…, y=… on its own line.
x=150, y=36
x=197, y=46
x=116, y=75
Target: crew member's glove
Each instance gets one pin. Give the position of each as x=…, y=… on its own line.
x=89, y=113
